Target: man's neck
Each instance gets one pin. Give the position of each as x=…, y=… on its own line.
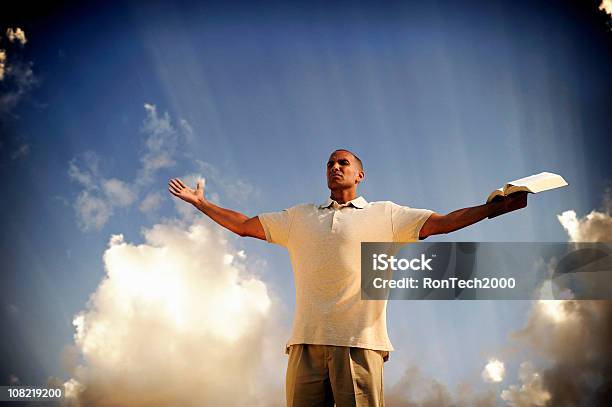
x=342, y=196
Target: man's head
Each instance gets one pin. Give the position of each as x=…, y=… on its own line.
x=344, y=170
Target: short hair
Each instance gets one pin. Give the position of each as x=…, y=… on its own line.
x=353, y=154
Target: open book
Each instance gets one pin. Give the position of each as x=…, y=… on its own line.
x=534, y=183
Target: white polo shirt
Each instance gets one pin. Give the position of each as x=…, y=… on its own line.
x=324, y=244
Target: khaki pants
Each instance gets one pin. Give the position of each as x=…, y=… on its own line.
x=319, y=375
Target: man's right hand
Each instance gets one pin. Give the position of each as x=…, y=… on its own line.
x=180, y=190
x=233, y=221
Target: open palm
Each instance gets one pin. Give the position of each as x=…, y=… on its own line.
x=179, y=189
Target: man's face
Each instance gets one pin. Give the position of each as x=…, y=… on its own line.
x=343, y=171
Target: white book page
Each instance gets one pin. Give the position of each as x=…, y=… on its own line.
x=540, y=182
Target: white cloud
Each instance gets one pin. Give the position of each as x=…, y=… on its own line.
x=92, y=212
x=160, y=144
x=594, y=227
x=531, y=393
x=493, y=371
x=104, y=194
x=151, y=203
x=16, y=34
x=72, y=389
x=19, y=78
x=606, y=5
x=160, y=149
x=172, y=319
x=571, y=336
x=416, y=390
x=94, y=204
x=187, y=132
x=575, y=339
x=237, y=190
x=555, y=310
x=2, y=63
x=118, y=192
x=87, y=177
x=240, y=191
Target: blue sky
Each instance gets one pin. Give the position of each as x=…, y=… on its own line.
x=443, y=103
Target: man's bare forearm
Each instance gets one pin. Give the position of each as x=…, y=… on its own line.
x=437, y=224
x=233, y=221
x=227, y=218
x=467, y=216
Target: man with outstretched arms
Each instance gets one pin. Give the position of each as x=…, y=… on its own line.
x=339, y=342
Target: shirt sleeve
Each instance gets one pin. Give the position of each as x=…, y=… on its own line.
x=277, y=225
x=407, y=222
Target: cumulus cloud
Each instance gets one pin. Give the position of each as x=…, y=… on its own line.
x=594, y=227
x=178, y=320
x=416, y=390
x=151, y=203
x=2, y=63
x=530, y=393
x=17, y=80
x=575, y=227
x=187, y=131
x=17, y=77
x=160, y=144
x=92, y=211
x=118, y=192
x=606, y=5
x=573, y=337
x=95, y=204
x=493, y=371
x=86, y=175
x=237, y=190
x=100, y=195
x=92, y=207
x=16, y=35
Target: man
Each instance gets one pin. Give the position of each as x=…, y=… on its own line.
x=339, y=342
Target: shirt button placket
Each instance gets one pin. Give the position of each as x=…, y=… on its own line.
x=334, y=220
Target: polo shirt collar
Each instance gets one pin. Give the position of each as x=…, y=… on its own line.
x=358, y=203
